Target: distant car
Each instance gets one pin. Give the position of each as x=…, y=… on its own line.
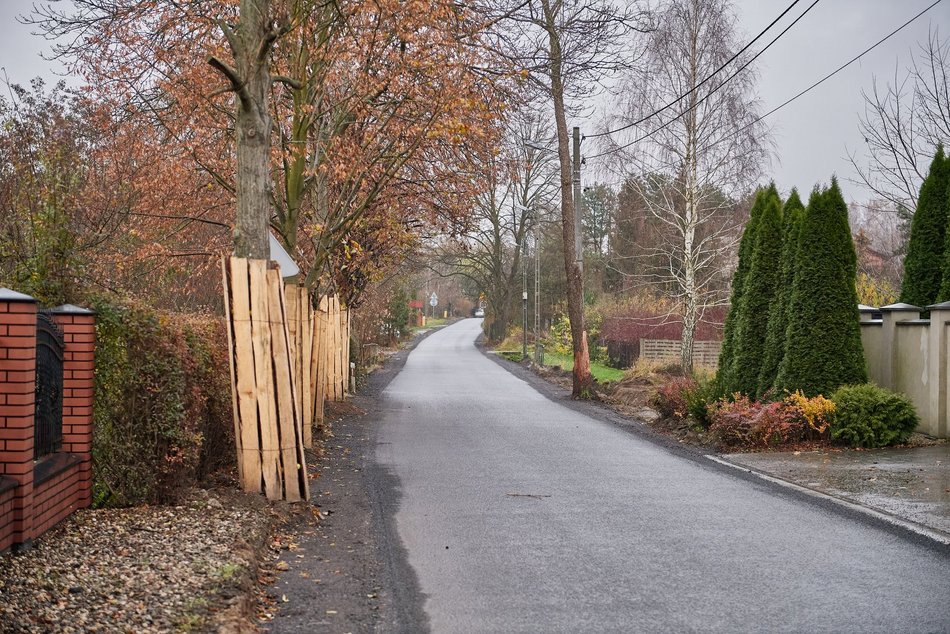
x=479, y=312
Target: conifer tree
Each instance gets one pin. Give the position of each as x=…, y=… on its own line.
x=779, y=311
x=758, y=294
x=724, y=377
x=923, y=265
x=944, y=294
x=824, y=349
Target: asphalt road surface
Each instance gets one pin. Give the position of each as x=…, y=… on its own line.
x=515, y=513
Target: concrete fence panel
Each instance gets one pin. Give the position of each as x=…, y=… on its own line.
x=908, y=354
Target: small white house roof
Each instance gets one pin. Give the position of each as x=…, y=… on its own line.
x=288, y=268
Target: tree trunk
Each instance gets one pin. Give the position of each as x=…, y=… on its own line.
x=691, y=215
x=690, y=291
x=582, y=380
x=250, y=79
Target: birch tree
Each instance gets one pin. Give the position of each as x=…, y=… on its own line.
x=692, y=161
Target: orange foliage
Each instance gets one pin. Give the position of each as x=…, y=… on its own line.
x=381, y=119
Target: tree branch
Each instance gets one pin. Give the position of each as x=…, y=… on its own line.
x=239, y=86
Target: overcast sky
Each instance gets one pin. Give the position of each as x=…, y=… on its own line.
x=813, y=134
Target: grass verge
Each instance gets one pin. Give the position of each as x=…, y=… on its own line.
x=600, y=371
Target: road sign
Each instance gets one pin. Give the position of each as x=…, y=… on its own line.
x=434, y=300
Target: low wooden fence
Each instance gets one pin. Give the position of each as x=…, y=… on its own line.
x=287, y=359
x=268, y=426
x=705, y=353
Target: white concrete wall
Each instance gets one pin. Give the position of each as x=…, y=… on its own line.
x=908, y=354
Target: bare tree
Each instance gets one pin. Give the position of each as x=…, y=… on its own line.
x=689, y=164
x=902, y=124
x=566, y=49
x=521, y=184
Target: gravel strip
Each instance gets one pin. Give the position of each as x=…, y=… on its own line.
x=180, y=568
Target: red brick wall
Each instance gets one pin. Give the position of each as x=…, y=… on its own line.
x=6, y=515
x=17, y=391
x=79, y=332
x=32, y=507
x=55, y=499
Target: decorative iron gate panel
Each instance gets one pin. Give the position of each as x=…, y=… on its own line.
x=48, y=418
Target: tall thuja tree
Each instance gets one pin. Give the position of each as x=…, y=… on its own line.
x=724, y=376
x=923, y=265
x=792, y=215
x=944, y=294
x=758, y=294
x=824, y=349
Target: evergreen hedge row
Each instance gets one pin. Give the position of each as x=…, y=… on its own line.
x=792, y=215
x=725, y=377
x=823, y=350
x=758, y=295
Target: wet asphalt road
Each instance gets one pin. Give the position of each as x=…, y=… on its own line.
x=517, y=514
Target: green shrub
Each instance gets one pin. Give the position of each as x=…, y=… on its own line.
x=162, y=405
x=684, y=397
x=700, y=398
x=561, y=341
x=871, y=416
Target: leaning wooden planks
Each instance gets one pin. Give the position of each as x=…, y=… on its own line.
x=318, y=362
x=333, y=350
x=300, y=326
x=268, y=420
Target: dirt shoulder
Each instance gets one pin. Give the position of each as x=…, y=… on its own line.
x=340, y=567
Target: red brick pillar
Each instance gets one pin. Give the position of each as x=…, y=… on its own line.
x=79, y=334
x=17, y=394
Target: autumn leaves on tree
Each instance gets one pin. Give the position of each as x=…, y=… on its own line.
x=346, y=127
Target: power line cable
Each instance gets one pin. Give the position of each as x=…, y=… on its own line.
x=790, y=100
x=696, y=87
x=714, y=90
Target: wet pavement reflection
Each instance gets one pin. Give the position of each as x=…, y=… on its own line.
x=910, y=483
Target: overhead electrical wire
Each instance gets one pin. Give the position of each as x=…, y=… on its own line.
x=696, y=87
x=714, y=90
x=787, y=101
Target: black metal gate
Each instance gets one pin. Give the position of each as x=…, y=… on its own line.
x=48, y=419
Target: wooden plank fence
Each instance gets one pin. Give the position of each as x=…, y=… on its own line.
x=268, y=423
x=300, y=323
x=329, y=357
x=705, y=353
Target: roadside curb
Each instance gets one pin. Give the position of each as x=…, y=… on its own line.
x=918, y=529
